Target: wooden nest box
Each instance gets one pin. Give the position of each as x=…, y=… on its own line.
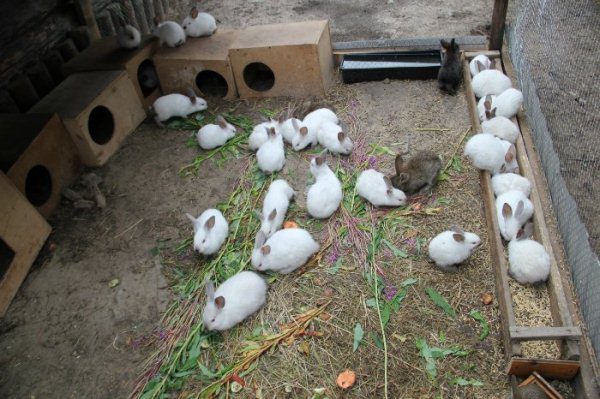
x=99, y=109
x=202, y=63
x=291, y=59
x=38, y=155
x=106, y=55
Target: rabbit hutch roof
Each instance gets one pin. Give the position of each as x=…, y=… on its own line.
x=290, y=34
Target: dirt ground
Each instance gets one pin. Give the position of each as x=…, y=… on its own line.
x=68, y=334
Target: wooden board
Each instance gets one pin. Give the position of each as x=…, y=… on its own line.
x=553, y=369
x=24, y=231
x=544, y=333
x=537, y=379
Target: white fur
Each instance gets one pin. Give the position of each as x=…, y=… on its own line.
x=501, y=127
x=328, y=137
x=169, y=33
x=259, y=134
x=207, y=241
x=508, y=103
x=371, y=186
x=504, y=182
x=129, y=37
x=278, y=198
x=289, y=249
x=312, y=122
x=510, y=158
x=529, y=263
x=490, y=81
x=271, y=155
x=203, y=25
x=473, y=64
x=509, y=226
x=486, y=152
x=244, y=294
x=176, y=104
x=324, y=196
x=446, y=251
x=289, y=128
x=212, y=136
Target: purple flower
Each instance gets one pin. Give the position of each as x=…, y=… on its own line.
x=372, y=162
x=137, y=342
x=162, y=334
x=389, y=292
x=411, y=242
x=334, y=255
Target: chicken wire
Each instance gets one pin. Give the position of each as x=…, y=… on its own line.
x=553, y=45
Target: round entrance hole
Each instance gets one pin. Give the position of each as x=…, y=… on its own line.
x=258, y=76
x=101, y=125
x=38, y=185
x=147, y=77
x=212, y=83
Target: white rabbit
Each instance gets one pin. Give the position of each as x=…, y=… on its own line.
x=503, y=182
x=452, y=247
x=260, y=134
x=510, y=158
x=210, y=231
x=331, y=136
x=513, y=209
x=128, y=37
x=275, y=206
x=271, y=156
x=169, y=33
x=237, y=298
x=289, y=128
x=479, y=63
x=176, y=104
x=324, y=196
x=212, y=136
x=377, y=188
x=508, y=103
x=285, y=251
x=529, y=262
x=307, y=134
x=486, y=152
x=500, y=126
x=199, y=24
x=490, y=81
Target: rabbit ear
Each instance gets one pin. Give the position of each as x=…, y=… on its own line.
x=191, y=94
x=519, y=210
x=303, y=131
x=506, y=211
x=210, y=223
x=488, y=114
x=194, y=13
x=221, y=122
x=271, y=132
x=193, y=220
x=398, y=164
x=480, y=66
x=444, y=44
x=295, y=124
x=156, y=21
x=220, y=302
x=458, y=237
x=388, y=185
x=493, y=113
x=260, y=239
x=341, y=137
x=403, y=177
x=281, y=118
x=265, y=249
x=272, y=214
x=510, y=154
x=453, y=44
x=209, y=288
x=487, y=103
x=320, y=159
x=457, y=229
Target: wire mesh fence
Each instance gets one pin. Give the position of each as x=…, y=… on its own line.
x=554, y=47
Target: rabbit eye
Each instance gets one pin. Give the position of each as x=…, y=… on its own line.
x=212, y=321
x=203, y=241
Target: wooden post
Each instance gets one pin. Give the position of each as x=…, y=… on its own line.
x=498, y=19
x=86, y=14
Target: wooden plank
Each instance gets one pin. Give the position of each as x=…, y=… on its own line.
x=512, y=348
x=86, y=14
x=520, y=333
x=553, y=369
x=498, y=20
x=559, y=307
x=469, y=55
x=545, y=385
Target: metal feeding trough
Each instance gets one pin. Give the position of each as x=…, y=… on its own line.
x=415, y=65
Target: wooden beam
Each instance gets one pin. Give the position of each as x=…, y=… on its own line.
x=553, y=369
x=469, y=55
x=500, y=268
x=544, y=333
x=498, y=21
x=85, y=10
x=541, y=382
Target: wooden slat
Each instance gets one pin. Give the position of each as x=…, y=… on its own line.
x=553, y=369
x=558, y=303
x=512, y=348
x=541, y=382
x=86, y=14
x=469, y=55
x=498, y=20
x=544, y=333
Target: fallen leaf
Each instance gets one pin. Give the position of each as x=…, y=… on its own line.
x=346, y=379
x=287, y=388
x=236, y=378
x=401, y=338
x=319, y=391
x=325, y=316
x=329, y=292
x=113, y=283
x=487, y=298
x=417, y=207
x=289, y=224
x=358, y=336
x=304, y=348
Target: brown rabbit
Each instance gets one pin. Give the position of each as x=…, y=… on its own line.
x=419, y=174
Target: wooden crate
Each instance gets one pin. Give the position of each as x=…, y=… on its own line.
x=202, y=63
x=39, y=157
x=23, y=231
x=99, y=109
x=106, y=55
x=292, y=59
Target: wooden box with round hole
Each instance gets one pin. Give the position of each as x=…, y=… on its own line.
x=291, y=59
x=106, y=55
x=99, y=110
x=39, y=156
x=23, y=232
x=201, y=63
